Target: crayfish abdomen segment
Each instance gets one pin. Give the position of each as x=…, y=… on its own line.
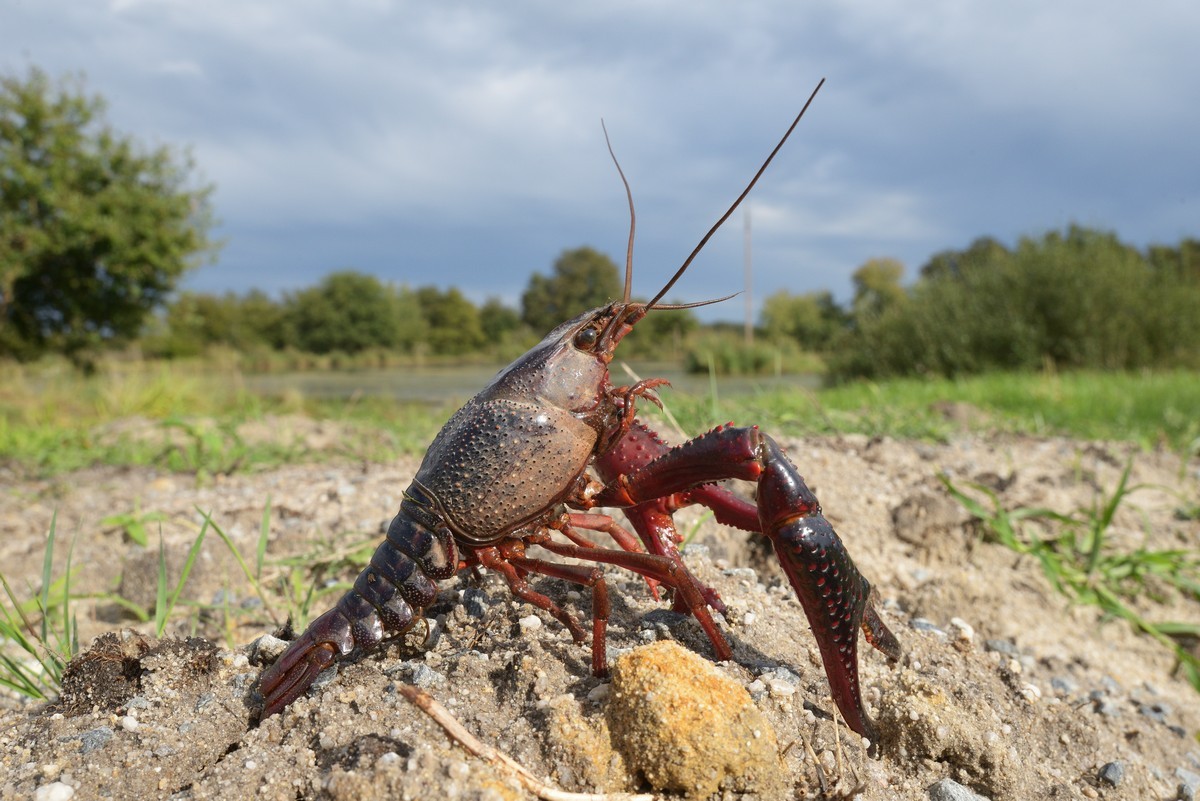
x=387, y=598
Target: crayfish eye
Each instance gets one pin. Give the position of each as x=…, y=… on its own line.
x=586, y=338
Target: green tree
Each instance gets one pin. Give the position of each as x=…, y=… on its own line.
x=95, y=230
x=348, y=311
x=583, y=279
x=498, y=320
x=877, y=287
x=453, y=321
x=813, y=319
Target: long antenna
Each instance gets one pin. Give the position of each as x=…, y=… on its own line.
x=687, y=262
x=632, y=217
x=748, y=265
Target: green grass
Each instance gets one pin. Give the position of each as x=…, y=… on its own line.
x=53, y=421
x=39, y=631
x=1080, y=563
x=1147, y=408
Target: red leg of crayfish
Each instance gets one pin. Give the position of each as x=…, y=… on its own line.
x=512, y=564
x=653, y=519
x=660, y=568
x=836, y=598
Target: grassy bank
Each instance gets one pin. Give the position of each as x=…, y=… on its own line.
x=1151, y=408
x=53, y=420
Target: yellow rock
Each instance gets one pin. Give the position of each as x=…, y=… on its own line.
x=685, y=725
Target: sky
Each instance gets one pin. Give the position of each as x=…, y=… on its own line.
x=459, y=144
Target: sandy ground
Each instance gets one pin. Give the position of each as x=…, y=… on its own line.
x=1006, y=690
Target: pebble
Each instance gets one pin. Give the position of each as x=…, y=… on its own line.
x=950, y=790
x=921, y=624
x=599, y=692
x=266, y=648
x=55, y=791
x=1112, y=773
x=1157, y=712
x=962, y=629
x=530, y=624
x=1189, y=784
x=1064, y=685
x=94, y=738
x=425, y=676
x=129, y=723
x=1001, y=646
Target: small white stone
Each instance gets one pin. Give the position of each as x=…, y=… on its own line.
x=749, y=618
x=251, y=764
x=780, y=688
x=129, y=723
x=55, y=791
x=964, y=630
x=1014, y=666
x=599, y=692
x=530, y=624
x=1031, y=692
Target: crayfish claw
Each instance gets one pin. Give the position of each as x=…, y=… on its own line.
x=877, y=632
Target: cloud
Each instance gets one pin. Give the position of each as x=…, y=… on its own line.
x=366, y=120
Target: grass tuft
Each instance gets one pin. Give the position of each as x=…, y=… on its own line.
x=1080, y=564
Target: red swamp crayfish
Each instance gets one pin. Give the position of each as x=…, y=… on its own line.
x=549, y=434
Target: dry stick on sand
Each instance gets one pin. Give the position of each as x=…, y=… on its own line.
x=459, y=734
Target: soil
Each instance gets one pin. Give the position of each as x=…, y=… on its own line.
x=1006, y=690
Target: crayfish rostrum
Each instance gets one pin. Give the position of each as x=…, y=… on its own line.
x=550, y=438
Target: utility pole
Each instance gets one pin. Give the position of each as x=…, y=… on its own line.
x=749, y=275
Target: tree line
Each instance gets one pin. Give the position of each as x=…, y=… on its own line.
x=96, y=232
x=1079, y=298
x=350, y=312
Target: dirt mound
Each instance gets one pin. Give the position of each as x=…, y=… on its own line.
x=1006, y=689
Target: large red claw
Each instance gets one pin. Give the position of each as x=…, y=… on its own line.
x=837, y=599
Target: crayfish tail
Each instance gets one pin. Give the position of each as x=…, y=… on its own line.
x=295, y=671
x=387, y=598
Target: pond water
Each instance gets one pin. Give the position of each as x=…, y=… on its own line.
x=437, y=385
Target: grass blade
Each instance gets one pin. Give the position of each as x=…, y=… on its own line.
x=166, y=606
x=237, y=555
x=160, y=603
x=263, y=532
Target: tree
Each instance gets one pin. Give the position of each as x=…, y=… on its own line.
x=348, y=311
x=453, y=321
x=812, y=319
x=95, y=230
x=583, y=279
x=498, y=320
x=877, y=287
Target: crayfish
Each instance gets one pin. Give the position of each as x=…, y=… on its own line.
x=547, y=440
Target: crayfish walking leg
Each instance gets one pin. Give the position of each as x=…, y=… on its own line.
x=837, y=599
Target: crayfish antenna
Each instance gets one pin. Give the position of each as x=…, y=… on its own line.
x=704, y=241
x=632, y=217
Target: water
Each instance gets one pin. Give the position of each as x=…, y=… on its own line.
x=438, y=385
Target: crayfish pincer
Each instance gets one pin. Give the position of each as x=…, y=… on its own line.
x=547, y=440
